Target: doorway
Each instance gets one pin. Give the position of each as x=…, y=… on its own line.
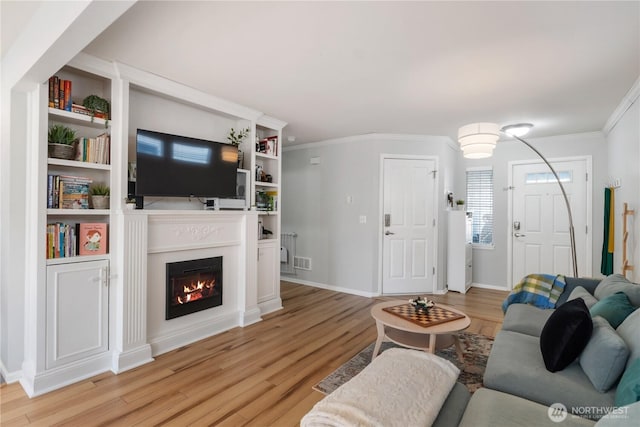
x=539, y=223
x=408, y=232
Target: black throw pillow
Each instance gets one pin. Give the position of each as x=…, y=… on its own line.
x=565, y=334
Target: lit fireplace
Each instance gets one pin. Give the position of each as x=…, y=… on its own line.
x=193, y=286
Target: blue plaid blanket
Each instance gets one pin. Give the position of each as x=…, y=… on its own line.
x=540, y=290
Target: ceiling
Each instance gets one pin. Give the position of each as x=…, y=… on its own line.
x=335, y=69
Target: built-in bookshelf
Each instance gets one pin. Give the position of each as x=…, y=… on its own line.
x=69, y=180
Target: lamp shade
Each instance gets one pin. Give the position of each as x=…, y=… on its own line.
x=478, y=140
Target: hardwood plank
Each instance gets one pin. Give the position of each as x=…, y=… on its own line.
x=255, y=376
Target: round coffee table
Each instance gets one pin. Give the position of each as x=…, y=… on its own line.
x=408, y=334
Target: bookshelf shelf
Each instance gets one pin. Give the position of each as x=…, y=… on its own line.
x=266, y=156
x=74, y=259
x=266, y=184
x=77, y=164
x=78, y=212
x=77, y=119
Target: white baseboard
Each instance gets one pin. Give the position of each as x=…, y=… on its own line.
x=440, y=291
x=191, y=334
x=329, y=287
x=250, y=317
x=56, y=378
x=9, y=377
x=270, y=306
x=493, y=287
x=130, y=359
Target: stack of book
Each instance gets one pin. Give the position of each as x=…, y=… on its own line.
x=62, y=240
x=268, y=145
x=94, y=150
x=67, y=240
x=67, y=192
x=60, y=93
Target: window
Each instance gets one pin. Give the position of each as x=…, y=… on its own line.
x=480, y=204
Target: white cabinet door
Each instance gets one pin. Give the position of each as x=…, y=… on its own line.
x=77, y=311
x=268, y=262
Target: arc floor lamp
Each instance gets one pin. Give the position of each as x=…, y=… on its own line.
x=477, y=141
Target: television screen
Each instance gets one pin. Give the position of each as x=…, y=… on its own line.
x=179, y=166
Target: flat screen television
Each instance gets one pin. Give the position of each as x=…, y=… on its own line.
x=179, y=166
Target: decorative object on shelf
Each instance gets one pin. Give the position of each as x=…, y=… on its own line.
x=236, y=139
x=97, y=107
x=422, y=303
x=460, y=204
x=62, y=141
x=450, y=200
x=130, y=203
x=100, y=196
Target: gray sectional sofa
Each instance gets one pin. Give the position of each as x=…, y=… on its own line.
x=520, y=391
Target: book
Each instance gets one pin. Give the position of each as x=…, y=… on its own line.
x=73, y=192
x=92, y=238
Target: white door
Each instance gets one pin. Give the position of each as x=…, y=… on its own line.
x=540, y=239
x=408, y=226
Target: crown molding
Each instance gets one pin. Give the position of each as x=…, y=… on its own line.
x=373, y=137
x=625, y=104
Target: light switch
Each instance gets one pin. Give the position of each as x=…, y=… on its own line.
x=349, y=199
x=363, y=219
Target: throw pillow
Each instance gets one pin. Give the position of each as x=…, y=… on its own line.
x=629, y=330
x=565, y=334
x=617, y=283
x=615, y=308
x=580, y=292
x=605, y=356
x=628, y=390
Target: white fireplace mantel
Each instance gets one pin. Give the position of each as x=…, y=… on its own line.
x=154, y=237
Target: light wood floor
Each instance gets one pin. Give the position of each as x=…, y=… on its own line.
x=260, y=375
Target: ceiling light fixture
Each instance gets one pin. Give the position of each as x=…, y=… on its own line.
x=519, y=129
x=478, y=140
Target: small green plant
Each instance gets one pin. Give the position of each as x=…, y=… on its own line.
x=95, y=104
x=60, y=134
x=237, y=138
x=459, y=202
x=99, y=190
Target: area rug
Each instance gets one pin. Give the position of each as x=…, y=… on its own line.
x=476, y=350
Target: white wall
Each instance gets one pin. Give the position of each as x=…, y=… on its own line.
x=623, y=147
x=489, y=265
x=314, y=204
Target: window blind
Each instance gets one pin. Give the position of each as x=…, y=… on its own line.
x=480, y=203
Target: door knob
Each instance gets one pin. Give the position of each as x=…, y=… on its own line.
x=519, y=235
x=388, y=233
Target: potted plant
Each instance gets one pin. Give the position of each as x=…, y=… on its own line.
x=236, y=139
x=95, y=104
x=460, y=204
x=100, y=196
x=62, y=142
x=130, y=203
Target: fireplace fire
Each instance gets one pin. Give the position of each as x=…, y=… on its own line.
x=193, y=286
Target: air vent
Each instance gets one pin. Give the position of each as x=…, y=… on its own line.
x=302, y=263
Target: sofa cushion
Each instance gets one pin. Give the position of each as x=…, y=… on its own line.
x=617, y=283
x=451, y=412
x=565, y=334
x=580, y=292
x=573, y=282
x=614, y=308
x=526, y=319
x=493, y=408
x=515, y=366
x=605, y=356
x=629, y=330
x=628, y=390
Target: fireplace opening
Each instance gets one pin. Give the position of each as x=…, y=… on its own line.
x=193, y=286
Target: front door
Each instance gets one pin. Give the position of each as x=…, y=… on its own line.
x=540, y=224
x=408, y=226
